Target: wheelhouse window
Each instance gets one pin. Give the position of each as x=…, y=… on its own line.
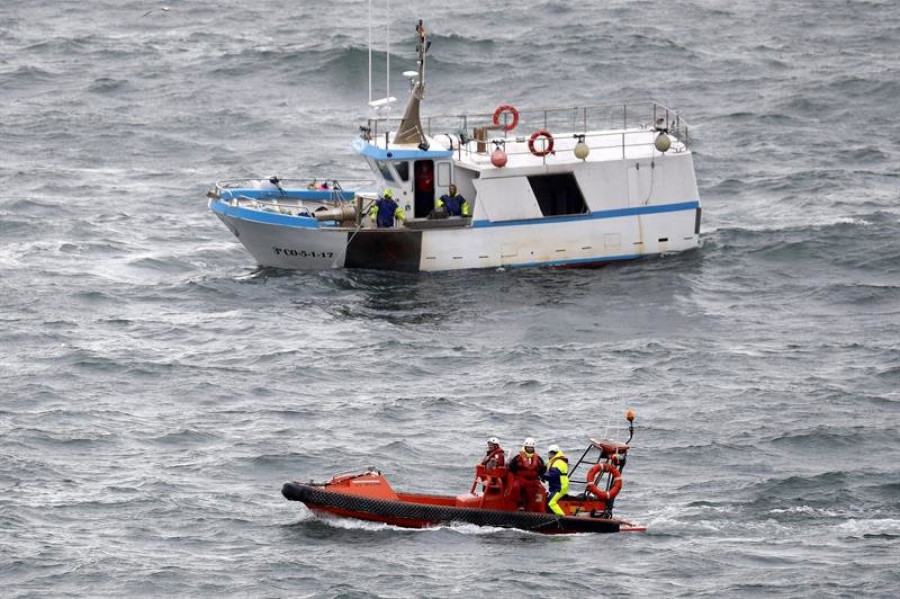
x=402, y=168
x=443, y=174
x=558, y=195
x=385, y=170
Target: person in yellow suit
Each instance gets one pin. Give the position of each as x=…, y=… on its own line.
x=557, y=478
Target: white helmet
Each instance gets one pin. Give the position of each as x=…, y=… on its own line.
x=553, y=448
x=493, y=441
x=529, y=442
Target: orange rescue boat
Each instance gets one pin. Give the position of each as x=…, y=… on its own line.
x=369, y=496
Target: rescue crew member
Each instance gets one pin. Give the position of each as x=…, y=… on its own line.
x=494, y=458
x=527, y=467
x=558, y=478
x=455, y=203
x=385, y=210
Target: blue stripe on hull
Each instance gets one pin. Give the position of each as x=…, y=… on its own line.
x=579, y=261
x=617, y=213
x=269, y=218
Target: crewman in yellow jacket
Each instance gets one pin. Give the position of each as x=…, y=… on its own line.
x=558, y=478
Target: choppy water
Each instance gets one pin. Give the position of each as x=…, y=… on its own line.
x=156, y=389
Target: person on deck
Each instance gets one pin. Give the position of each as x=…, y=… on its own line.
x=386, y=210
x=494, y=458
x=425, y=177
x=456, y=204
x=557, y=478
x=527, y=467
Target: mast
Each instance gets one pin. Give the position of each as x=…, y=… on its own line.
x=410, y=129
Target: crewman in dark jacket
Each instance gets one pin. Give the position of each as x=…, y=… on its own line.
x=456, y=204
x=527, y=467
x=385, y=210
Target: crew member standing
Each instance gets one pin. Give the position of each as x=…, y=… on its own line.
x=385, y=210
x=558, y=478
x=527, y=467
x=455, y=203
x=494, y=458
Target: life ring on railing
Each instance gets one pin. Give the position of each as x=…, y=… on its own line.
x=548, y=148
x=596, y=472
x=506, y=108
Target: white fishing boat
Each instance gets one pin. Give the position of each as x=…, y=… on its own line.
x=566, y=187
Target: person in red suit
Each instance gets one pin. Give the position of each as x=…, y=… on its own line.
x=527, y=467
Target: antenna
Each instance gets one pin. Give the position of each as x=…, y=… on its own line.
x=387, y=93
x=382, y=105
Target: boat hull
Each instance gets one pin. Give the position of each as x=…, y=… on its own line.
x=422, y=515
x=290, y=242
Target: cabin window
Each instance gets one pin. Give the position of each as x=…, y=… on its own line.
x=385, y=170
x=558, y=195
x=402, y=169
x=443, y=174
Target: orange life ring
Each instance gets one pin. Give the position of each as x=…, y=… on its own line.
x=506, y=108
x=593, y=477
x=548, y=149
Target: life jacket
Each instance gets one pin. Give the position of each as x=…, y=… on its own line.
x=494, y=454
x=529, y=467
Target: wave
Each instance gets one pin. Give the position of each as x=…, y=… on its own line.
x=183, y=437
x=752, y=119
x=107, y=85
x=868, y=528
x=829, y=438
x=855, y=86
x=464, y=529
x=864, y=247
x=347, y=64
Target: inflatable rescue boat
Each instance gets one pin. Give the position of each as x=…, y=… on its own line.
x=369, y=496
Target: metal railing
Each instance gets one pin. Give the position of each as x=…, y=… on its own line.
x=275, y=187
x=629, y=115
x=296, y=197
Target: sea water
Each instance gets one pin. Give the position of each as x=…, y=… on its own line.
x=156, y=388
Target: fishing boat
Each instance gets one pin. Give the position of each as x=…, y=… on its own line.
x=571, y=187
x=490, y=501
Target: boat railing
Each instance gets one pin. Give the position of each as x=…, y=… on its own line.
x=605, y=119
x=620, y=140
x=294, y=197
x=274, y=187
